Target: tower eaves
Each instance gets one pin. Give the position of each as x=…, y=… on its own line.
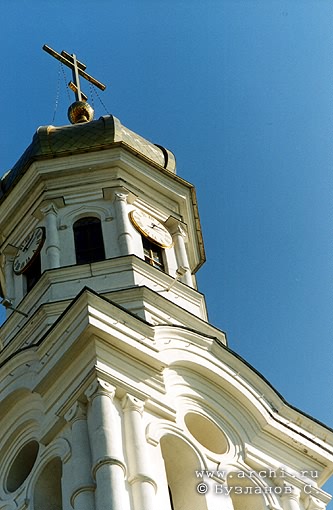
x=51, y=142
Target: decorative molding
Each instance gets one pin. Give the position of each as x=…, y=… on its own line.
x=80, y=490
x=55, y=203
x=313, y=503
x=49, y=208
x=131, y=403
x=83, y=197
x=101, y=211
x=78, y=411
x=293, y=493
x=111, y=194
x=156, y=430
x=108, y=461
x=141, y=478
x=100, y=387
x=121, y=197
x=176, y=226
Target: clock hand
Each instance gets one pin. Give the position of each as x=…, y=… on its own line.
x=27, y=246
x=157, y=226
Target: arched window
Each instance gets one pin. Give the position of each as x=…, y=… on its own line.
x=88, y=240
x=48, y=492
x=33, y=273
x=181, y=463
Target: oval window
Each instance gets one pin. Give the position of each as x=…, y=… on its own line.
x=206, y=433
x=22, y=465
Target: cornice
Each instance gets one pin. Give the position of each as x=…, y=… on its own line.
x=52, y=142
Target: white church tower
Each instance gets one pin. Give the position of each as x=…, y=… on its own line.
x=116, y=393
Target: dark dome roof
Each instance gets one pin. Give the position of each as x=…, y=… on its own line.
x=50, y=142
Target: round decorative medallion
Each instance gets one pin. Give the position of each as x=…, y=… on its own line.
x=22, y=465
x=206, y=432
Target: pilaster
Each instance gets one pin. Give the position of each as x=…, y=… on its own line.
x=9, y=253
x=219, y=493
x=123, y=223
x=140, y=478
x=82, y=497
x=104, y=429
x=179, y=236
x=52, y=245
x=290, y=497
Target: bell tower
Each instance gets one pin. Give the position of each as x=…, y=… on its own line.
x=100, y=208
x=115, y=390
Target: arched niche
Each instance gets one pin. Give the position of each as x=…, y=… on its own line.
x=181, y=462
x=88, y=240
x=72, y=214
x=47, y=488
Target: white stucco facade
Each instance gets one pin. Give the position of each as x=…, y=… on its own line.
x=115, y=391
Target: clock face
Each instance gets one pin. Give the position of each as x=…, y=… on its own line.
x=28, y=250
x=153, y=229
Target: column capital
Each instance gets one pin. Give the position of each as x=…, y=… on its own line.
x=49, y=208
x=100, y=387
x=290, y=491
x=78, y=411
x=176, y=227
x=121, y=196
x=117, y=192
x=10, y=251
x=313, y=503
x=131, y=403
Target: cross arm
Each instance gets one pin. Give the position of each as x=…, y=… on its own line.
x=64, y=58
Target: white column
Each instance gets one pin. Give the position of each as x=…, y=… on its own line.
x=124, y=226
x=9, y=253
x=139, y=467
x=218, y=495
x=179, y=236
x=106, y=444
x=52, y=246
x=82, y=496
x=9, y=290
x=290, y=497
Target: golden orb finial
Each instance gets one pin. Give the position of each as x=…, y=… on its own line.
x=80, y=112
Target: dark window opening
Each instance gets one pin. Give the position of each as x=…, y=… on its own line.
x=33, y=273
x=153, y=254
x=48, y=487
x=88, y=240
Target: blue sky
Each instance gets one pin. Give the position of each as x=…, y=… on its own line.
x=241, y=92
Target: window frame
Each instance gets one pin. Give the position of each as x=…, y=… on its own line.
x=33, y=273
x=150, y=246
x=85, y=227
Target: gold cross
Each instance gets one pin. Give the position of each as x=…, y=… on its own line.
x=78, y=69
